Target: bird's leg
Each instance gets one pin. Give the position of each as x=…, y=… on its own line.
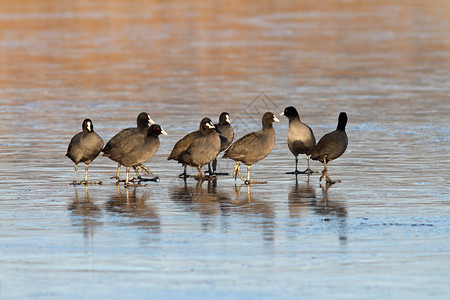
x=86, y=167
x=237, y=170
x=210, y=172
x=248, y=175
x=184, y=174
x=85, y=181
x=214, y=168
x=136, y=170
x=128, y=173
x=325, y=173
x=296, y=169
x=308, y=170
x=327, y=177
x=200, y=174
x=75, y=175
x=127, y=181
x=138, y=176
x=144, y=169
x=117, y=173
x=214, y=165
x=252, y=182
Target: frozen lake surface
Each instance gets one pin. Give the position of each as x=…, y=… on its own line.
x=382, y=233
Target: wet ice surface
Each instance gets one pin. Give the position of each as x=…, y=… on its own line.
x=382, y=233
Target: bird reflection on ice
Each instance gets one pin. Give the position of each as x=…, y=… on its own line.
x=127, y=203
x=85, y=213
x=301, y=198
x=330, y=210
x=218, y=206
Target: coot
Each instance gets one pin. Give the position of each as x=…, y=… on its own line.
x=301, y=139
x=142, y=120
x=253, y=147
x=226, y=134
x=135, y=149
x=185, y=142
x=84, y=147
x=331, y=146
x=204, y=149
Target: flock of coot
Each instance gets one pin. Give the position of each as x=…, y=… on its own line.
x=131, y=147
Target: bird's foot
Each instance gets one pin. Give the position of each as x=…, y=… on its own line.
x=331, y=182
x=323, y=175
x=155, y=179
x=296, y=172
x=213, y=176
x=136, y=179
x=237, y=171
x=117, y=178
x=133, y=184
x=144, y=169
x=307, y=171
x=205, y=177
x=248, y=182
x=217, y=174
x=98, y=182
x=327, y=178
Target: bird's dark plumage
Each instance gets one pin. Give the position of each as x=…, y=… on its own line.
x=254, y=146
x=84, y=147
x=225, y=131
x=301, y=139
x=136, y=149
x=142, y=120
x=183, y=144
x=203, y=149
x=331, y=146
x=226, y=135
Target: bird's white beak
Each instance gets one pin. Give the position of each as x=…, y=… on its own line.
x=210, y=125
x=282, y=113
x=163, y=132
x=150, y=120
x=275, y=119
x=228, y=119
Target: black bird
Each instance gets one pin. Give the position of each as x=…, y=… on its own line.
x=301, y=139
x=136, y=149
x=331, y=146
x=253, y=147
x=142, y=120
x=204, y=149
x=226, y=134
x=185, y=142
x=84, y=147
